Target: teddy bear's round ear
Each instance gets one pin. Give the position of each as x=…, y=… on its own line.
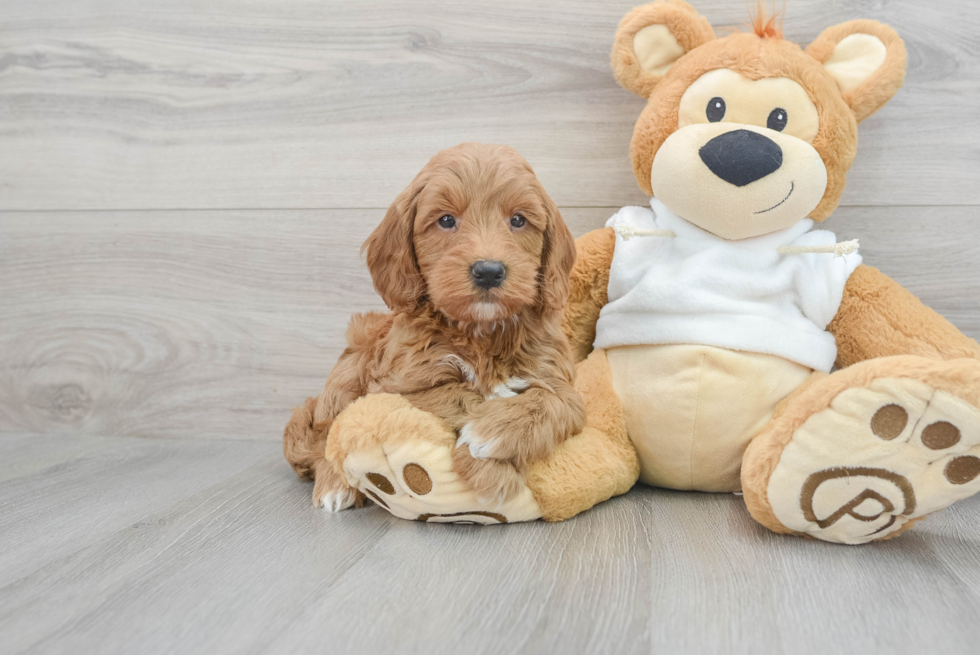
x=867, y=60
x=651, y=38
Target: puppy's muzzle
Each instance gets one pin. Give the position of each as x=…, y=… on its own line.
x=488, y=273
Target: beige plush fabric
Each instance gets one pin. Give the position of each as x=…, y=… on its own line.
x=841, y=481
x=596, y=464
x=589, y=291
x=863, y=453
x=864, y=94
x=687, y=30
x=692, y=410
x=401, y=458
x=880, y=318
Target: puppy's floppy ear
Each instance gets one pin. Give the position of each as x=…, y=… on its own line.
x=651, y=38
x=557, y=260
x=867, y=60
x=391, y=253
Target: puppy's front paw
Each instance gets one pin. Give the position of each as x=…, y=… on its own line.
x=494, y=482
x=512, y=387
x=331, y=491
x=334, y=501
x=479, y=447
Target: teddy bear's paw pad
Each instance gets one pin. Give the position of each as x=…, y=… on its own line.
x=877, y=458
x=415, y=480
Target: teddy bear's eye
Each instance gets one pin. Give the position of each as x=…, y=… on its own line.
x=777, y=119
x=716, y=109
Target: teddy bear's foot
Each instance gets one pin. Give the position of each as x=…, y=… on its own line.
x=415, y=480
x=402, y=459
x=863, y=453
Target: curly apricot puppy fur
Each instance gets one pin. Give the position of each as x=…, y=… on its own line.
x=473, y=259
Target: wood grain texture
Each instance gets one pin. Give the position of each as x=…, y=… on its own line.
x=215, y=324
x=313, y=103
x=218, y=550
x=178, y=262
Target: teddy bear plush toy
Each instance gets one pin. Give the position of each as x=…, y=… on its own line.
x=708, y=325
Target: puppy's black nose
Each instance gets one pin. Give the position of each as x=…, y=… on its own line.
x=488, y=273
x=742, y=157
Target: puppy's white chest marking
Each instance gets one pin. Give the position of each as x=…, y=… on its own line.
x=509, y=388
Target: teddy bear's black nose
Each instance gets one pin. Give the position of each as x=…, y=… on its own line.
x=741, y=156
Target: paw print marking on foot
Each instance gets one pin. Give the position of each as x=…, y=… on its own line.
x=889, y=422
x=876, y=458
x=417, y=478
x=381, y=482
x=962, y=470
x=867, y=506
x=940, y=435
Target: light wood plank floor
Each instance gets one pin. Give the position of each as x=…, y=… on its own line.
x=113, y=544
x=184, y=187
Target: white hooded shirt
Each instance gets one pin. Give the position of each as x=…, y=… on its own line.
x=698, y=288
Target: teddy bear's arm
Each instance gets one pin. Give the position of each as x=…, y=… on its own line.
x=589, y=289
x=879, y=318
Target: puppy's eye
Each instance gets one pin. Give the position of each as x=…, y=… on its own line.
x=447, y=222
x=777, y=119
x=716, y=109
x=517, y=220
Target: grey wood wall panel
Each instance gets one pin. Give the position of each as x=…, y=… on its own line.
x=227, y=555
x=313, y=103
x=215, y=324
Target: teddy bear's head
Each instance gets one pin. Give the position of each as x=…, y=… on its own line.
x=747, y=134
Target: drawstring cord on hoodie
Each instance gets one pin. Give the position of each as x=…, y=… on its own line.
x=837, y=249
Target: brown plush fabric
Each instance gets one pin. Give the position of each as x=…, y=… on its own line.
x=960, y=378
x=754, y=58
x=383, y=418
x=589, y=289
x=586, y=469
x=879, y=318
x=592, y=466
x=761, y=457
x=885, y=82
x=688, y=28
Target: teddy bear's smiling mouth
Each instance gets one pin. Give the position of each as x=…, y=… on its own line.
x=792, y=187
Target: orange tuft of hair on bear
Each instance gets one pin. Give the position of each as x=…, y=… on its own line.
x=766, y=26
